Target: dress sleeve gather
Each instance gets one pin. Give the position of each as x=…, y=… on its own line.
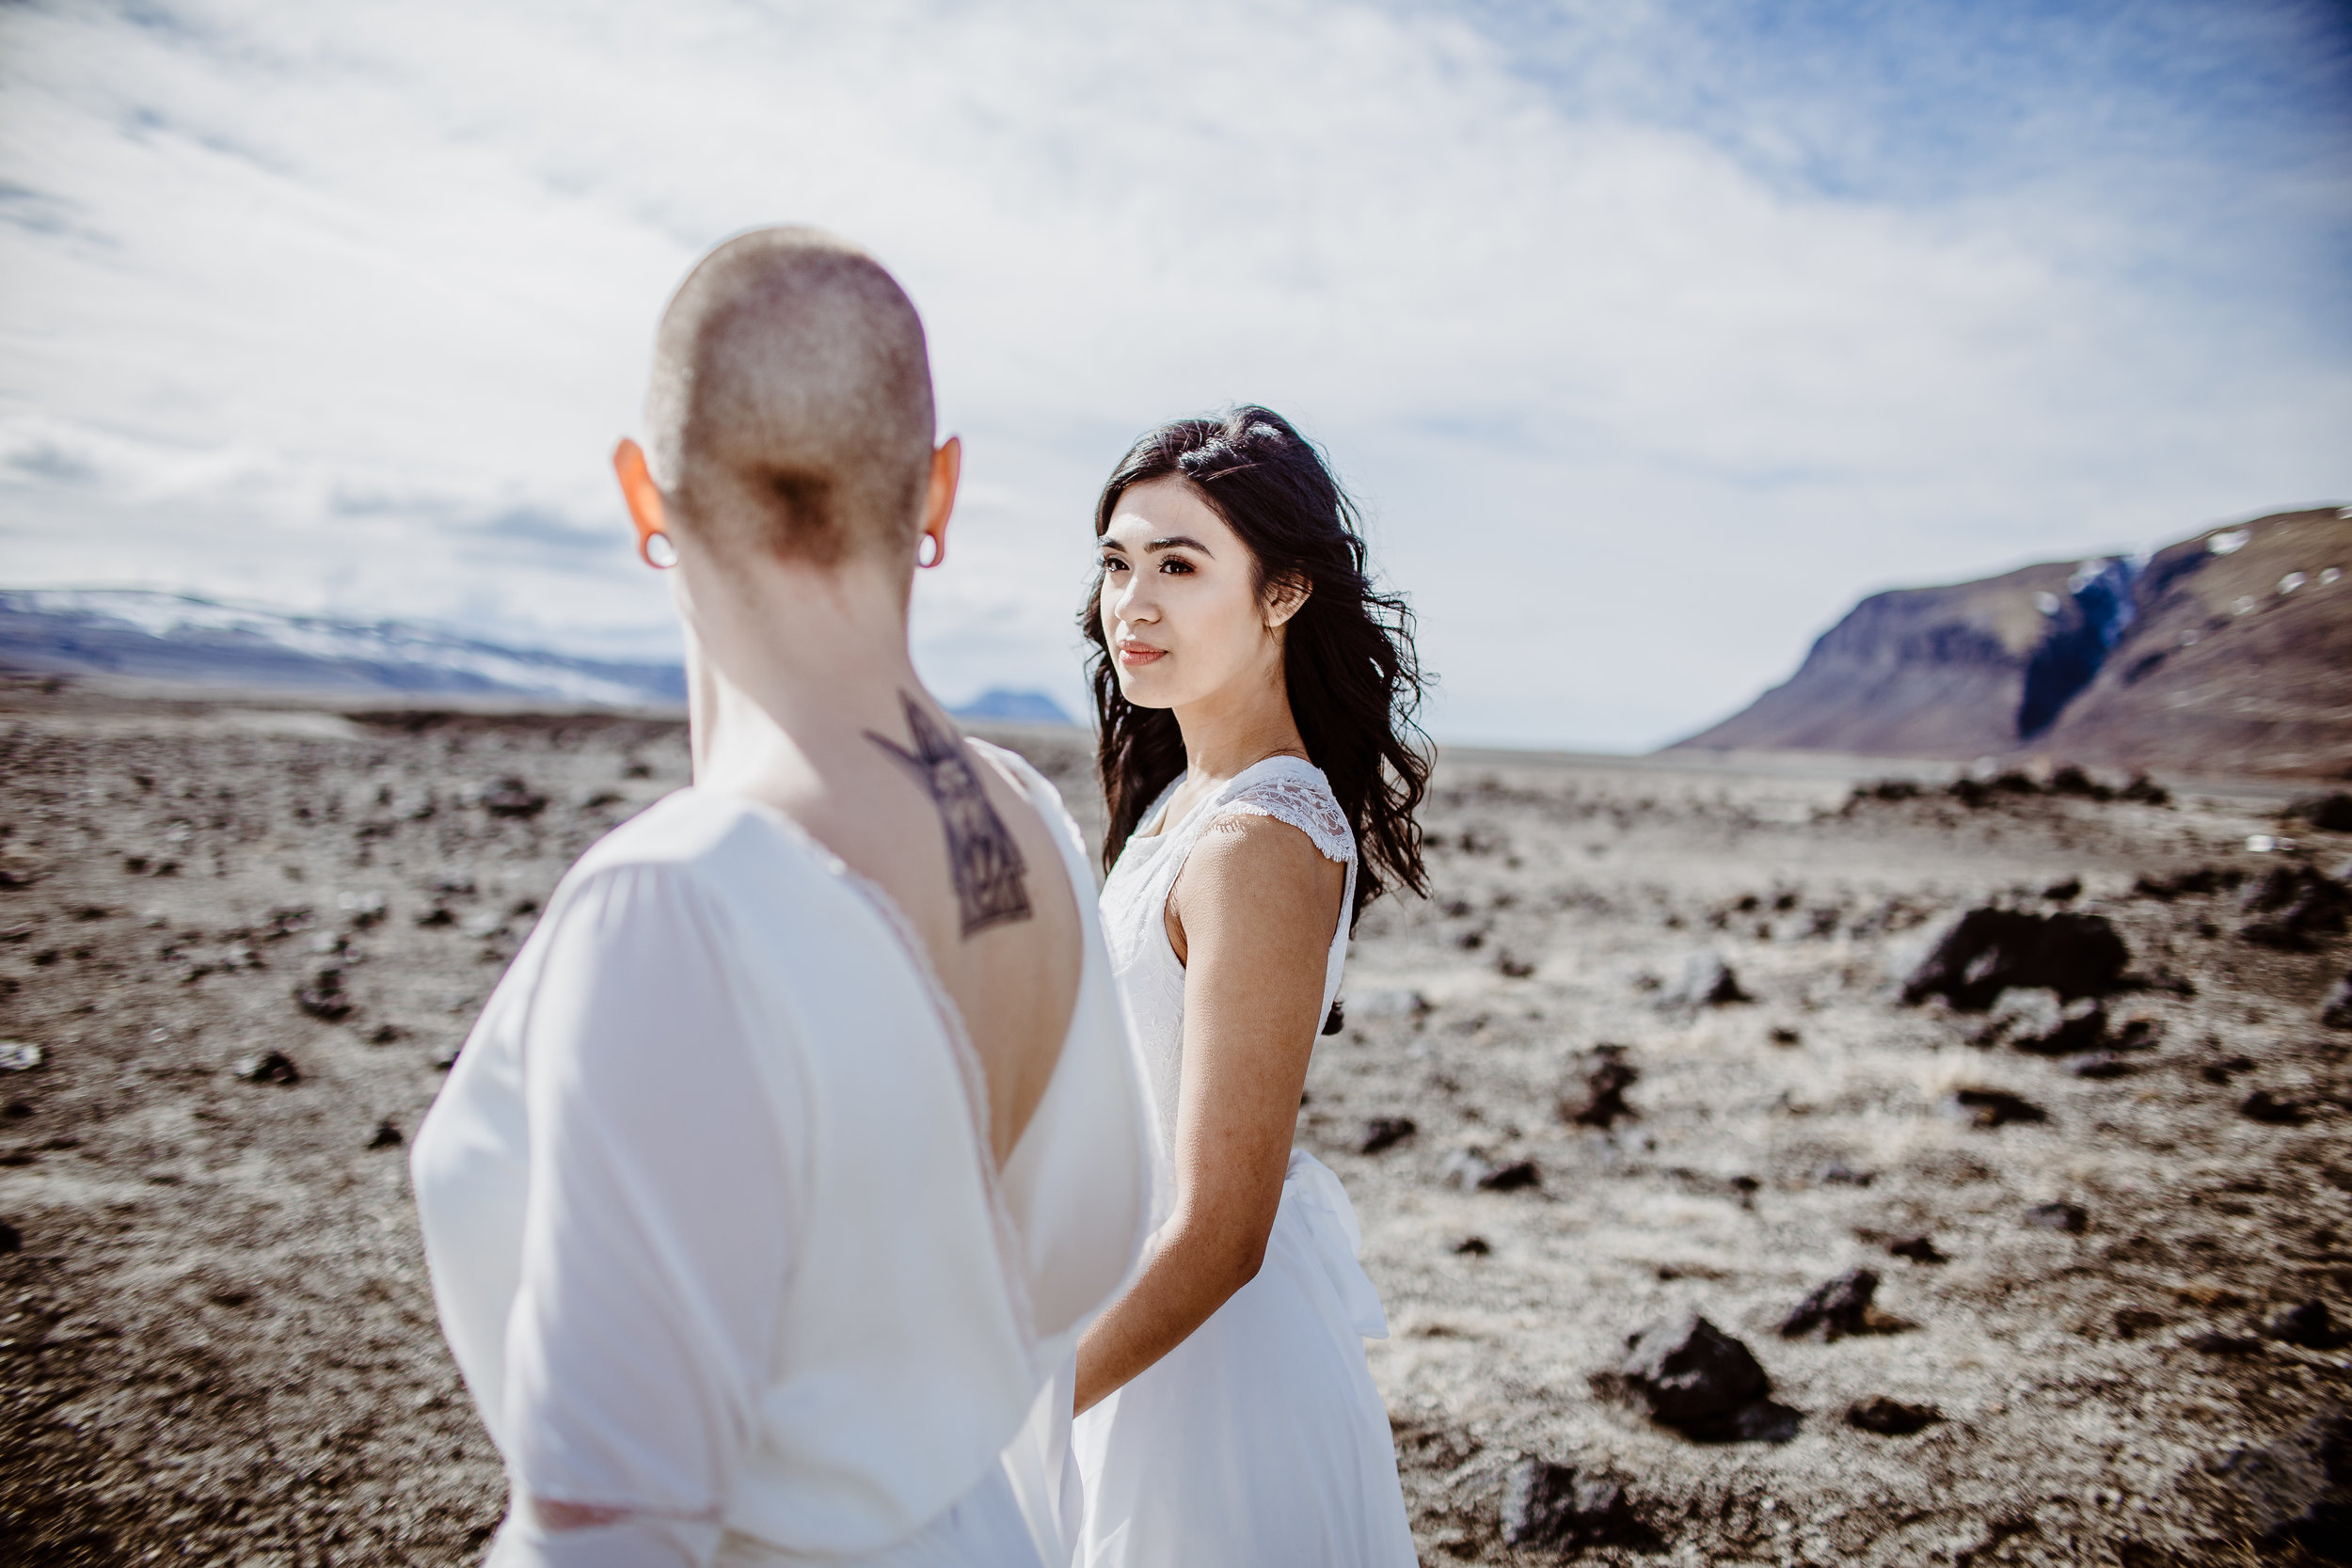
x=1307, y=804
x=655, y=1232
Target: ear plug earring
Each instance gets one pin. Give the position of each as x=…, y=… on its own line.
x=655, y=550
x=938, y=551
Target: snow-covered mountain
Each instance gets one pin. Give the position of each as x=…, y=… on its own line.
x=180, y=639
x=186, y=641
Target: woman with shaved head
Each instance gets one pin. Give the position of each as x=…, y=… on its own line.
x=1255, y=698
x=768, y=1198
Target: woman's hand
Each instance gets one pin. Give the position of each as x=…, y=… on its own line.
x=1251, y=918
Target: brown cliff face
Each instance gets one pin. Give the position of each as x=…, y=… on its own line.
x=2231, y=666
x=2231, y=651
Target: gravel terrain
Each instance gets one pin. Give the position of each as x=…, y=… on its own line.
x=2099, y=1226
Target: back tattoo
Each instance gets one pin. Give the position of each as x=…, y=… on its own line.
x=986, y=862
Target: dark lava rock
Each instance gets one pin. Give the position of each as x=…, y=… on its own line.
x=2146, y=791
x=2069, y=1217
x=1692, y=1376
x=2072, y=780
x=2336, y=1012
x=270, y=1066
x=1992, y=950
x=2332, y=813
x=1594, y=1095
x=512, y=797
x=2226, y=1069
x=2100, y=1064
x=2263, y=1107
x=1785, y=1035
x=1891, y=1417
x=1383, y=1133
x=1990, y=1108
x=2215, y=1343
x=2296, y=905
x=2036, y=1020
x=438, y=915
x=1836, y=1173
x=1512, y=968
x=1510, y=1177
x=11, y=1240
x=322, y=996
x=445, y=1058
x=2202, y=879
x=1472, y=1246
x=387, y=1136
x=1835, y=1309
x=1559, y=1508
x=2310, y=1325
x=1706, y=982
x=1919, y=1249
x=2065, y=892
x=2296, y=1489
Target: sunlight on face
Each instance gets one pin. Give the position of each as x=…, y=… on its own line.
x=1181, y=608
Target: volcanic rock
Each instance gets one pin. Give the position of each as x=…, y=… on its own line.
x=1919, y=1249
x=1706, y=982
x=1473, y=1247
x=512, y=797
x=1993, y=950
x=1385, y=1132
x=11, y=1240
x=270, y=1066
x=2336, y=1012
x=1694, y=1377
x=387, y=1136
x=2100, y=1064
x=2263, y=1107
x=2310, y=1325
x=1510, y=1177
x=1557, y=1508
x=1990, y=1108
x=1891, y=1417
x=2070, y=1217
x=2035, y=1020
x=2332, y=813
x=1595, y=1093
x=2295, y=906
x=1835, y=1309
x=322, y=997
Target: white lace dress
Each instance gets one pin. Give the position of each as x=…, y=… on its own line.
x=1260, y=1442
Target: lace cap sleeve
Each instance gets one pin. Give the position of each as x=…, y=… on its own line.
x=1306, y=802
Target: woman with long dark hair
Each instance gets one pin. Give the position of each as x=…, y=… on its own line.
x=1258, y=755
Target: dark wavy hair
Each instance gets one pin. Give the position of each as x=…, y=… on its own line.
x=1348, y=662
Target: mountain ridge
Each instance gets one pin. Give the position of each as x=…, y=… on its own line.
x=2226, y=651
x=184, y=639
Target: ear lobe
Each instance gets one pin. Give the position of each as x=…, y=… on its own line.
x=641, y=494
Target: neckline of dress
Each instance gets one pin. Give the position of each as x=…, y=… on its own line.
x=962, y=1052
x=1169, y=829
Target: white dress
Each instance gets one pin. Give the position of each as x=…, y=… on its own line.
x=1260, y=1442
x=717, y=1234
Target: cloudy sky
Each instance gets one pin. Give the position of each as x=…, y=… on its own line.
x=1650, y=332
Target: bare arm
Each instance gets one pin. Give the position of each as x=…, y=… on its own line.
x=1251, y=917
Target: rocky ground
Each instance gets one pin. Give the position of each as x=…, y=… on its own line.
x=1643, y=1066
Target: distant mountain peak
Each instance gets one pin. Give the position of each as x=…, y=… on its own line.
x=2226, y=652
x=182, y=639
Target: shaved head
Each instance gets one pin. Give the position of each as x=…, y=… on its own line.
x=790, y=409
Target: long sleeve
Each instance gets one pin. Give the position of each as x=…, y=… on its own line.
x=655, y=1232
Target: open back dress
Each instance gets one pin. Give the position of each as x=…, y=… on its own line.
x=716, y=1232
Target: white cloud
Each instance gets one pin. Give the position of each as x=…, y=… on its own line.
x=343, y=305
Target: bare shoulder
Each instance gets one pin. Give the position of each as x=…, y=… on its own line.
x=1246, y=863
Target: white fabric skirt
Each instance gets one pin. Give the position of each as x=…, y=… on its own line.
x=1260, y=1442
